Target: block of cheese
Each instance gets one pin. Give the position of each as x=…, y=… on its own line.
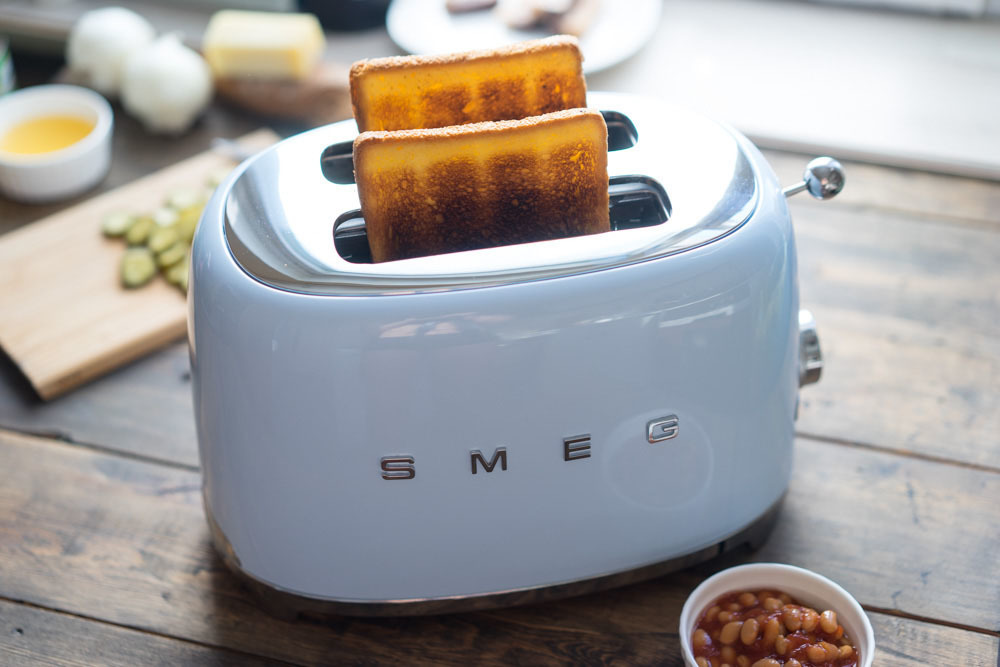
x=516, y=81
x=263, y=45
x=434, y=191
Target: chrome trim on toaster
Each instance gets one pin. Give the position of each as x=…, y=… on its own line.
x=279, y=210
x=288, y=604
x=810, y=354
x=499, y=455
x=576, y=447
x=665, y=428
x=401, y=466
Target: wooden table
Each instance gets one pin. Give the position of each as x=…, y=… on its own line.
x=105, y=555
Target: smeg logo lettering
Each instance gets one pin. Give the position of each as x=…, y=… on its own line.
x=574, y=448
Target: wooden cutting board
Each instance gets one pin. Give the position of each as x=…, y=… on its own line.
x=65, y=319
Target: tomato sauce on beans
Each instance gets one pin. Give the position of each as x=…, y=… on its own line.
x=767, y=628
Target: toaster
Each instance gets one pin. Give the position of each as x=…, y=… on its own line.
x=507, y=424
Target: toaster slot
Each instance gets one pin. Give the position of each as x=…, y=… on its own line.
x=337, y=163
x=621, y=131
x=337, y=160
x=350, y=238
x=634, y=201
x=637, y=201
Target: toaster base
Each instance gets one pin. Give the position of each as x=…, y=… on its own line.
x=285, y=604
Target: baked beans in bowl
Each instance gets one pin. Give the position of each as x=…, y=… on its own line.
x=773, y=615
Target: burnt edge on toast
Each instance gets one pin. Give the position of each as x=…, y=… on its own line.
x=470, y=199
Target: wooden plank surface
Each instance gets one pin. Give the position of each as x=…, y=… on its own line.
x=30, y=636
x=125, y=541
x=144, y=408
x=909, y=643
x=66, y=317
x=909, y=324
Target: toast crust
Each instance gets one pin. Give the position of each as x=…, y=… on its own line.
x=525, y=79
x=435, y=191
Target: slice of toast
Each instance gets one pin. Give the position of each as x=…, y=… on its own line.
x=414, y=92
x=434, y=191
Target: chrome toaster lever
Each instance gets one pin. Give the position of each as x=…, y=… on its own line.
x=823, y=178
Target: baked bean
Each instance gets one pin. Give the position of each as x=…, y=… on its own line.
x=771, y=629
x=828, y=621
x=810, y=619
x=816, y=653
x=792, y=618
x=702, y=662
x=730, y=631
x=749, y=631
x=832, y=652
x=758, y=628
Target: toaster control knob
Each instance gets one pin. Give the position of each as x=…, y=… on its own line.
x=823, y=178
x=810, y=356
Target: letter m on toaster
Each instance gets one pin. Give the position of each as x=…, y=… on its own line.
x=477, y=459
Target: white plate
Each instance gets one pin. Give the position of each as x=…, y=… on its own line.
x=619, y=30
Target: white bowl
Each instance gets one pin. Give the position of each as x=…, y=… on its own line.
x=806, y=587
x=61, y=173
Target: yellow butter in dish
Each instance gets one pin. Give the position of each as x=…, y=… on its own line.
x=45, y=134
x=263, y=45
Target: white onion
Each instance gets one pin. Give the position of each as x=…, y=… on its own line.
x=166, y=85
x=101, y=41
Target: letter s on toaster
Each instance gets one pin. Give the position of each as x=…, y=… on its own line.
x=398, y=467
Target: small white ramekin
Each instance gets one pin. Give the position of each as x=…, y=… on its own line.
x=59, y=174
x=806, y=587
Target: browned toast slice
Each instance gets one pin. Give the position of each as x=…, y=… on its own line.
x=413, y=92
x=433, y=191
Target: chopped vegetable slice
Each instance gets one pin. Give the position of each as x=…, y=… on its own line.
x=172, y=255
x=138, y=267
x=162, y=238
x=165, y=216
x=140, y=230
x=117, y=223
x=184, y=198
